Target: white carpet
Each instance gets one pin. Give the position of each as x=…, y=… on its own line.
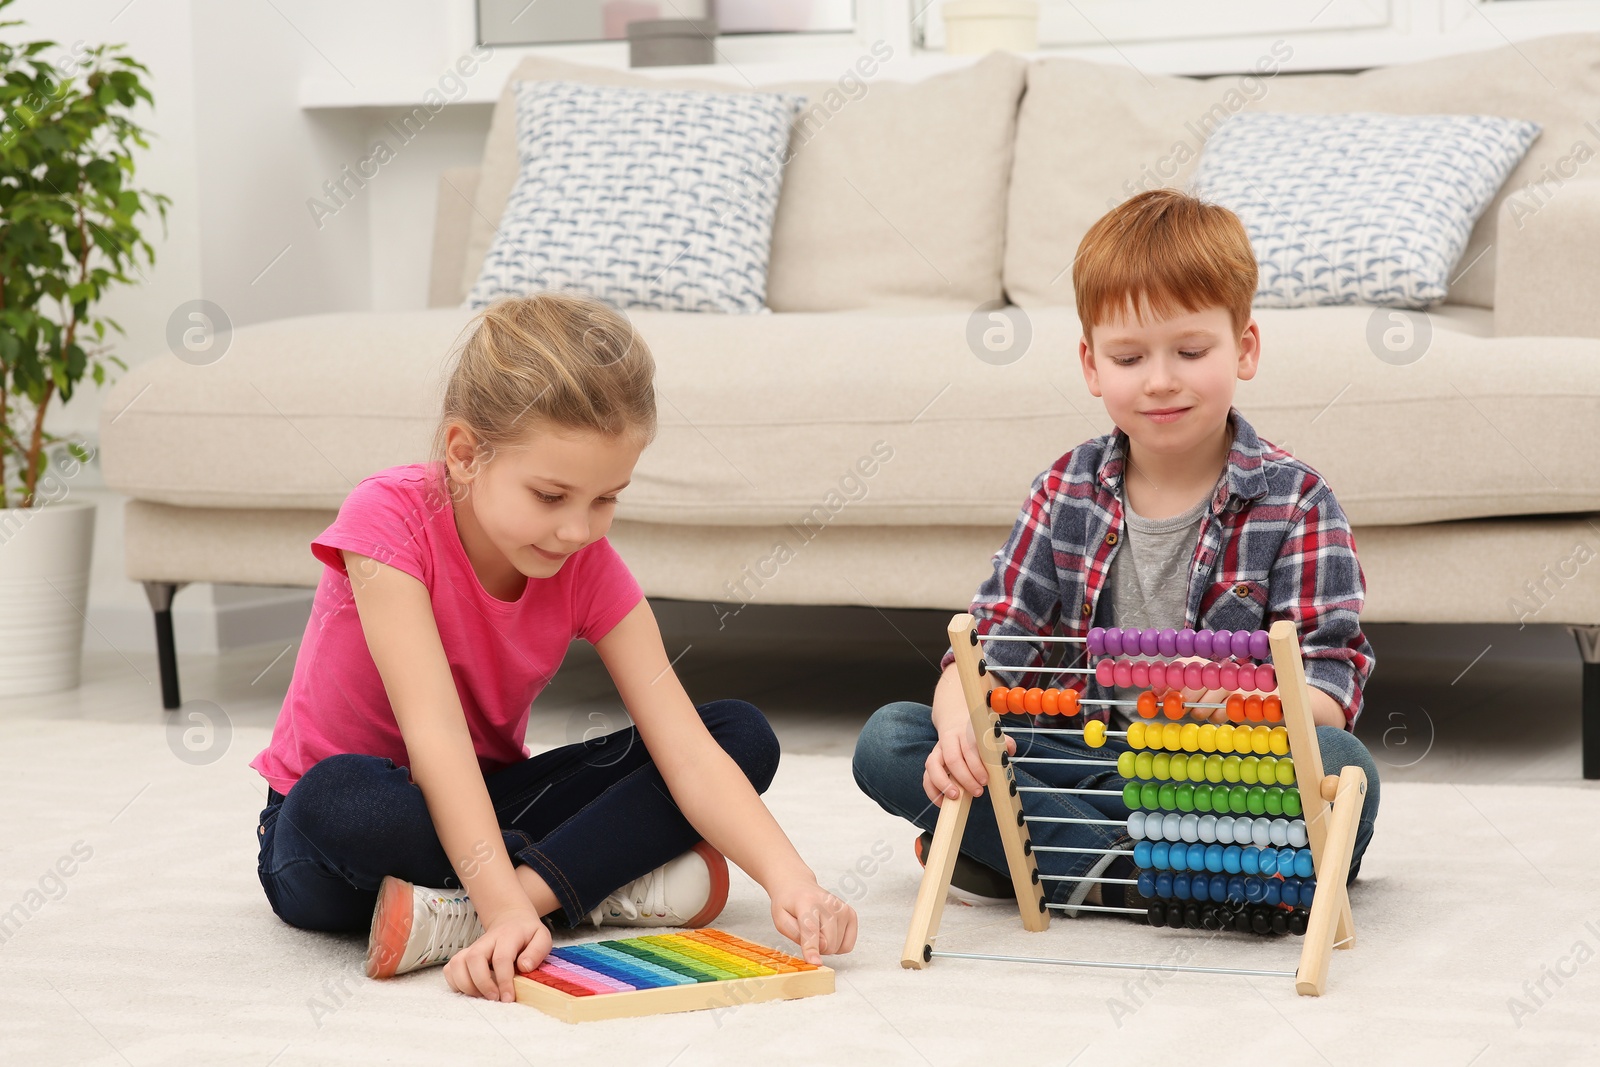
x=160, y=947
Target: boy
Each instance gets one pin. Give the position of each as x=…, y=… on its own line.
x=1181, y=517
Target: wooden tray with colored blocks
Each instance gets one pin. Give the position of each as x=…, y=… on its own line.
x=660, y=973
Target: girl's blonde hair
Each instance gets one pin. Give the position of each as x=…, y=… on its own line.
x=548, y=361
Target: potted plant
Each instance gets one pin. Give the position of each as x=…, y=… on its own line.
x=67, y=234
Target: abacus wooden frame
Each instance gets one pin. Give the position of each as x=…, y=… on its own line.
x=1331, y=812
x=728, y=993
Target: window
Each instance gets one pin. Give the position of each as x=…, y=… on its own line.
x=1072, y=23
x=530, y=22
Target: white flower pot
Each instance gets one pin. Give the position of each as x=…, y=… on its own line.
x=45, y=554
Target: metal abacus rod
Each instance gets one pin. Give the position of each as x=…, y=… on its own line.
x=1056, y=640
x=1116, y=966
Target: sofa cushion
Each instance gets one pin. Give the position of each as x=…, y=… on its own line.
x=894, y=194
x=872, y=419
x=1362, y=208
x=644, y=198
x=1090, y=135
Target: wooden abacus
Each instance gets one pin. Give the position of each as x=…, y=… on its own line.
x=1266, y=898
x=659, y=973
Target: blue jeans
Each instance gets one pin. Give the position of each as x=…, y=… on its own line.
x=588, y=817
x=893, y=749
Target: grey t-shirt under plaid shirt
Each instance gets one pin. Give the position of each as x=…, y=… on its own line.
x=1149, y=578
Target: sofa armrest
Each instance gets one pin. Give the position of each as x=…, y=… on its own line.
x=1545, y=270
x=457, y=187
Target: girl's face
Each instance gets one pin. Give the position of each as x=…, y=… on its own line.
x=534, y=505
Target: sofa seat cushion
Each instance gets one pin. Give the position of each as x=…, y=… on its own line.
x=1090, y=135
x=872, y=419
x=893, y=195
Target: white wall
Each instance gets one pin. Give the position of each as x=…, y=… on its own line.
x=259, y=104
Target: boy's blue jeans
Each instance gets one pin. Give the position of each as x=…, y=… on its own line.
x=588, y=817
x=893, y=749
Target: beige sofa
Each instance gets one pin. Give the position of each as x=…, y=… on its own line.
x=850, y=448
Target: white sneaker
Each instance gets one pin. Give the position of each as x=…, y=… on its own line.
x=414, y=926
x=688, y=891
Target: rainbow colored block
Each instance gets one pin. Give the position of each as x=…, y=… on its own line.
x=659, y=973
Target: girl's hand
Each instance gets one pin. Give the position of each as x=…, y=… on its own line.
x=814, y=919
x=514, y=941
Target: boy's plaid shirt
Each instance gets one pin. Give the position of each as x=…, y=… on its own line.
x=1273, y=545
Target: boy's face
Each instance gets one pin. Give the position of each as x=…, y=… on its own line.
x=1168, y=383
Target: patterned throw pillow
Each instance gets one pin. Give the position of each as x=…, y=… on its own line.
x=645, y=198
x=1358, y=208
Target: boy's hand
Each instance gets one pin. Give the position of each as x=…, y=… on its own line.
x=1201, y=696
x=814, y=919
x=955, y=763
x=1207, y=696
x=514, y=941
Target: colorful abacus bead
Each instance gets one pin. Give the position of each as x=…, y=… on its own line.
x=1147, y=705
x=1096, y=641
x=1172, y=704
x=1228, y=673
x=1156, y=675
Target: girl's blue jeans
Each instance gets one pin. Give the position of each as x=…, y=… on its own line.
x=893, y=749
x=588, y=817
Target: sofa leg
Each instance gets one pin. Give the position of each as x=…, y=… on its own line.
x=160, y=595
x=1589, y=647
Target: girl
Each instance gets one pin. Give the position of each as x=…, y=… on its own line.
x=403, y=800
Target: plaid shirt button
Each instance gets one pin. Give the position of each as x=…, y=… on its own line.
x=1111, y=538
x=1241, y=591
x=1087, y=609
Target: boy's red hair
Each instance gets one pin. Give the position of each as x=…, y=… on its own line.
x=1169, y=250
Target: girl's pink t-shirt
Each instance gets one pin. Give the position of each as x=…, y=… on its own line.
x=501, y=653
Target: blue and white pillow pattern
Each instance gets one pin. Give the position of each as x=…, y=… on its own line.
x=645, y=198
x=1358, y=208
